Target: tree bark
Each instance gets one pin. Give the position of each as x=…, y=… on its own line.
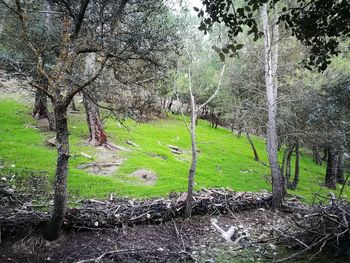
x=271, y=58
x=53, y=227
x=192, y=171
x=40, y=110
x=295, y=182
x=340, y=168
x=170, y=103
x=316, y=155
x=97, y=135
x=256, y=156
x=325, y=154
x=283, y=174
x=288, y=164
x=331, y=173
x=73, y=106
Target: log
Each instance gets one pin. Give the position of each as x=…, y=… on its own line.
x=87, y=165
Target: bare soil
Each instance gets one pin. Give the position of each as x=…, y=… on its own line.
x=106, y=162
x=193, y=240
x=146, y=177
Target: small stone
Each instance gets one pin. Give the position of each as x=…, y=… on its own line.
x=160, y=249
x=96, y=224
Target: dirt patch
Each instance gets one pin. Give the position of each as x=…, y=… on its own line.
x=106, y=162
x=180, y=240
x=156, y=155
x=147, y=177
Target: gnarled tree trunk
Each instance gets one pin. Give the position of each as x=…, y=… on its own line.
x=40, y=110
x=53, y=227
x=97, y=135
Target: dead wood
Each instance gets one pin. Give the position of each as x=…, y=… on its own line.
x=87, y=165
x=96, y=214
x=319, y=229
x=129, y=211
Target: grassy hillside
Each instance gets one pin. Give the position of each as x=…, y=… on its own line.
x=224, y=160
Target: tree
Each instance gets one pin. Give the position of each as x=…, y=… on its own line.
x=68, y=49
x=193, y=118
x=319, y=31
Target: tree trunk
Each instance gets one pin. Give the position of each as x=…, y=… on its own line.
x=73, y=106
x=53, y=227
x=256, y=156
x=283, y=174
x=192, y=171
x=97, y=135
x=170, y=103
x=316, y=155
x=331, y=173
x=40, y=110
x=288, y=164
x=325, y=154
x=295, y=182
x=271, y=58
x=240, y=130
x=340, y=168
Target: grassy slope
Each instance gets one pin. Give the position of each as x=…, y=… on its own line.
x=224, y=159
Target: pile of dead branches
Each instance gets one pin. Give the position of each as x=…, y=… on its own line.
x=17, y=215
x=96, y=214
x=320, y=229
x=99, y=214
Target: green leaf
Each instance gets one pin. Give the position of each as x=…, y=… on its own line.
x=222, y=56
x=225, y=50
x=239, y=46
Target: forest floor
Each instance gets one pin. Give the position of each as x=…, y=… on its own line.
x=180, y=240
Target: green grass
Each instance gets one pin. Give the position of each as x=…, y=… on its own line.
x=223, y=160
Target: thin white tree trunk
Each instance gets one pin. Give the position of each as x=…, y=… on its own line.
x=194, y=114
x=271, y=62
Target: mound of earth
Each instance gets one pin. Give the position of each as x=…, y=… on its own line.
x=147, y=177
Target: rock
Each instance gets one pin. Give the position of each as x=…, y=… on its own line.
x=52, y=142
